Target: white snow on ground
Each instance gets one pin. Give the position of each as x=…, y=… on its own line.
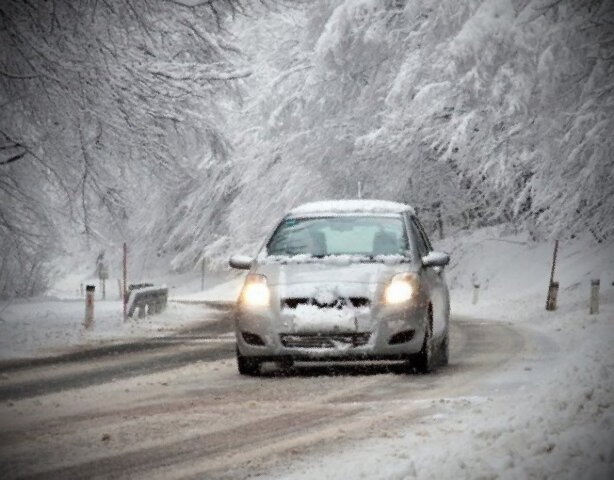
x=224, y=292
x=54, y=324
x=545, y=415
x=50, y=326
x=510, y=267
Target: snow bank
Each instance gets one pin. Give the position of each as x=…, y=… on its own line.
x=54, y=324
x=49, y=326
x=511, y=268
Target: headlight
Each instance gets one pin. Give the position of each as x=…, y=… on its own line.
x=401, y=288
x=255, y=291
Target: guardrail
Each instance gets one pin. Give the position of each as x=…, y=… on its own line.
x=147, y=300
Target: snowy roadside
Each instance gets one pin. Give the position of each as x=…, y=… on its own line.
x=546, y=414
x=226, y=292
x=50, y=327
x=53, y=325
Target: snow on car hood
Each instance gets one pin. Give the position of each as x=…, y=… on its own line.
x=328, y=272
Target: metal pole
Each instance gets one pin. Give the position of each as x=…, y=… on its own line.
x=553, y=287
x=125, y=289
x=89, y=305
x=556, y=250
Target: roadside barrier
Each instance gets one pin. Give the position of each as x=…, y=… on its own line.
x=146, y=299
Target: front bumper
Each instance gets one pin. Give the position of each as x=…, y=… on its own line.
x=382, y=332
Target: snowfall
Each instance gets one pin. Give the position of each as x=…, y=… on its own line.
x=546, y=415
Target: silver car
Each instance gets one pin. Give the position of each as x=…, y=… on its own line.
x=344, y=280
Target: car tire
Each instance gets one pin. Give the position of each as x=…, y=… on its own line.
x=423, y=361
x=444, y=350
x=249, y=366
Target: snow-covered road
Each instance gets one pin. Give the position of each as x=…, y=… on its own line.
x=528, y=393
x=200, y=419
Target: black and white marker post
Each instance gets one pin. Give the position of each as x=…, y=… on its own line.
x=90, y=292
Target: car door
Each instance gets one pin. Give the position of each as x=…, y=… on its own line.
x=435, y=278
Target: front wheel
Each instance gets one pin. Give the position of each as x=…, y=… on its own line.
x=423, y=361
x=248, y=365
x=444, y=350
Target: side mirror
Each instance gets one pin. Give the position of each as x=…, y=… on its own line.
x=241, y=262
x=435, y=259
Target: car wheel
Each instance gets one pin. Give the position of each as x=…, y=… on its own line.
x=423, y=361
x=444, y=350
x=248, y=365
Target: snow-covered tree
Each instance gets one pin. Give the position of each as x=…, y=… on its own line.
x=104, y=105
x=481, y=111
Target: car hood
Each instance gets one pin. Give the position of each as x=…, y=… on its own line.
x=316, y=272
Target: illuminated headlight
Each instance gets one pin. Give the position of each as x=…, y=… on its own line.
x=401, y=288
x=255, y=291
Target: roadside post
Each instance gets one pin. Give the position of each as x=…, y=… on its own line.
x=553, y=287
x=476, y=293
x=594, y=300
x=103, y=274
x=81, y=289
x=553, y=291
x=90, y=291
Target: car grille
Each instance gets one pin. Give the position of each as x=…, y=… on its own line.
x=324, y=340
x=339, y=303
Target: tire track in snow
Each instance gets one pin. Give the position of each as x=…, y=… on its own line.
x=139, y=462
x=363, y=404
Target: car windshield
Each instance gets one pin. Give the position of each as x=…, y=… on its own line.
x=366, y=236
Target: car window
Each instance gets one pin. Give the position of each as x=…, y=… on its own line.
x=421, y=244
x=340, y=235
x=425, y=237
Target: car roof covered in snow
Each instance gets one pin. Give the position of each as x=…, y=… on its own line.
x=350, y=206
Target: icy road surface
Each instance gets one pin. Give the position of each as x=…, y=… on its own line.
x=179, y=409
